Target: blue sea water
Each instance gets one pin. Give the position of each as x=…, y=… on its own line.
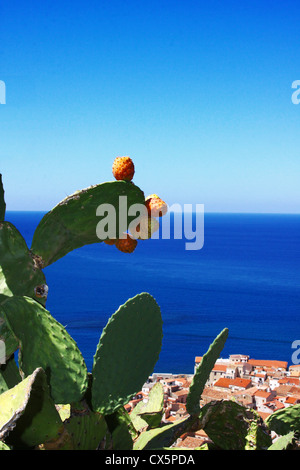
x=246, y=278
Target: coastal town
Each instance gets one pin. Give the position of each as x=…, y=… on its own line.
x=262, y=385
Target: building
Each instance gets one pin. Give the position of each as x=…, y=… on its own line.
x=267, y=364
x=261, y=397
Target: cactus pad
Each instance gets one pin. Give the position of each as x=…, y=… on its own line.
x=203, y=371
x=45, y=343
x=285, y=420
x=121, y=430
x=86, y=431
x=153, y=410
x=6, y=333
x=9, y=375
x=19, y=272
x=28, y=414
x=232, y=427
x=164, y=436
x=2, y=201
x=72, y=223
x=127, y=352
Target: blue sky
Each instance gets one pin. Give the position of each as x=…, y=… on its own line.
x=197, y=93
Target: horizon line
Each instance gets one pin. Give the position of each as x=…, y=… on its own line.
x=174, y=212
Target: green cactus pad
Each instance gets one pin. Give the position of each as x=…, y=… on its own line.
x=7, y=335
x=127, y=352
x=45, y=343
x=232, y=427
x=2, y=201
x=165, y=436
x=28, y=414
x=86, y=431
x=203, y=371
x=285, y=420
x=19, y=271
x=138, y=423
x=153, y=410
x=121, y=430
x=285, y=442
x=9, y=375
x=64, y=411
x=4, y=446
x=72, y=223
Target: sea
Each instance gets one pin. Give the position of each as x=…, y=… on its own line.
x=246, y=277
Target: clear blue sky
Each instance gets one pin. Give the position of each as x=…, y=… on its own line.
x=197, y=93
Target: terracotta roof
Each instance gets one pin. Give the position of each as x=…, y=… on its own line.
x=262, y=394
x=295, y=391
x=291, y=400
x=274, y=405
x=284, y=390
x=220, y=367
x=181, y=393
x=224, y=383
x=198, y=359
x=238, y=382
x=267, y=363
x=171, y=418
x=215, y=394
x=264, y=415
x=184, y=383
x=289, y=380
x=249, y=392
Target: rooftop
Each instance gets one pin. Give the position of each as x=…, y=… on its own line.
x=267, y=363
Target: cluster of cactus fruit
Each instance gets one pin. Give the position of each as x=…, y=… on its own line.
x=49, y=400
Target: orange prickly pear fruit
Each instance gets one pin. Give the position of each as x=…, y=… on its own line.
x=123, y=168
x=156, y=206
x=109, y=241
x=126, y=245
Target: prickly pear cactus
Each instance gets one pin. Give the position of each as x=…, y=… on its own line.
x=149, y=414
x=286, y=442
x=45, y=343
x=127, y=352
x=28, y=414
x=9, y=375
x=20, y=273
x=138, y=422
x=86, y=431
x=121, y=430
x=285, y=420
x=152, y=411
x=2, y=201
x=7, y=335
x=165, y=436
x=71, y=224
x=232, y=427
x=4, y=446
x=203, y=371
